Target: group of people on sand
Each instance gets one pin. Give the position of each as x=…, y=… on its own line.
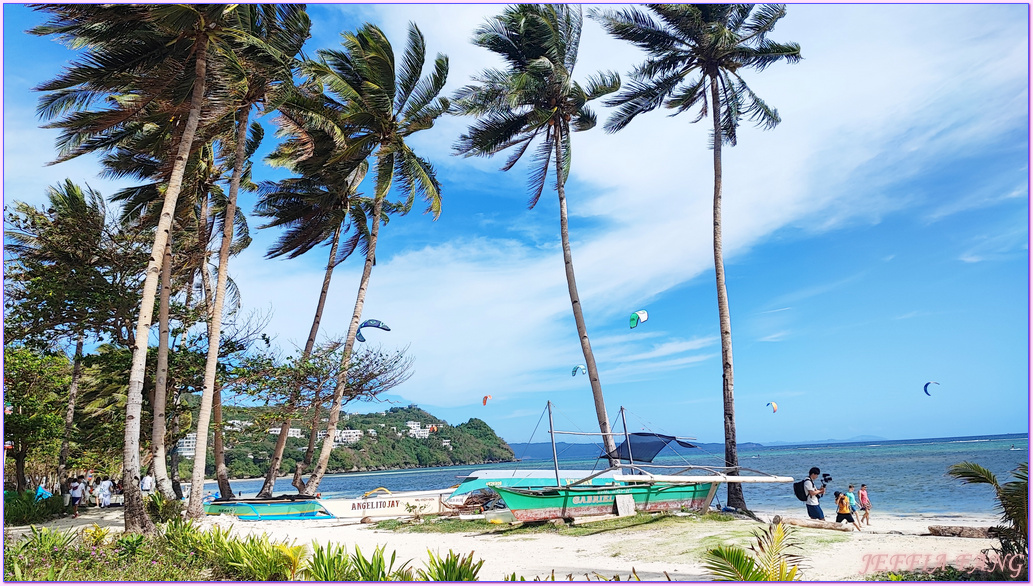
x=850, y=508
x=95, y=490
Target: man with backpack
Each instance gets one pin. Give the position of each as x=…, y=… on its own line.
x=806, y=491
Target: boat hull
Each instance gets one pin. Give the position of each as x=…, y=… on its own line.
x=492, y=479
x=397, y=504
x=568, y=502
x=268, y=511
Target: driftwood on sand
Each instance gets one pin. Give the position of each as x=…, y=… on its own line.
x=812, y=523
x=959, y=531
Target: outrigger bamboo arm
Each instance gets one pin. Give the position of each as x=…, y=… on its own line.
x=690, y=479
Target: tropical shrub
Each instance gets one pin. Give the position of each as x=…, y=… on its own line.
x=161, y=509
x=22, y=508
x=768, y=559
x=378, y=568
x=451, y=568
x=1012, y=498
x=129, y=544
x=329, y=564
x=94, y=536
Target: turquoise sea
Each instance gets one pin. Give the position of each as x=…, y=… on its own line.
x=903, y=476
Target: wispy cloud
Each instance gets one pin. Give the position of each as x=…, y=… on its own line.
x=776, y=337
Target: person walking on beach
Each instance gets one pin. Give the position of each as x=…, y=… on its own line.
x=843, y=510
x=104, y=488
x=75, y=491
x=866, y=505
x=813, y=494
x=854, y=506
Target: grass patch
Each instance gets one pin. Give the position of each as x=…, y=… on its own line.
x=480, y=526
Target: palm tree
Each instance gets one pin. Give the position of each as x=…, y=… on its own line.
x=768, y=559
x=1013, y=502
x=70, y=235
x=536, y=97
x=135, y=55
x=694, y=48
x=379, y=111
x=316, y=208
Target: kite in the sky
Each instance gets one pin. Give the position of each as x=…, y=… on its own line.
x=639, y=317
x=370, y=323
x=926, y=387
x=774, y=406
x=485, y=401
x=580, y=367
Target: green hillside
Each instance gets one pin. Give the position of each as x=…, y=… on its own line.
x=389, y=446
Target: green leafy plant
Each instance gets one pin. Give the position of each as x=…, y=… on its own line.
x=767, y=560
x=161, y=509
x=22, y=508
x=43, y=539
x=451, y=568
x=182, y=535
x=129, y=544
x=1013, y=503
x=329, y=564
x=378, y=568
x=52, y=575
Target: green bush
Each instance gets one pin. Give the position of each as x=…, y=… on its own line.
x=22, y=508
x=161, y=509
x=330, y=564
x=453, y=568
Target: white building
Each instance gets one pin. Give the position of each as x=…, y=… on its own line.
x=187, y=447
x=372, y=432
x=347, y=436
x=238, y=425
x=412, y=425
x=291, y=432
x=419, y=433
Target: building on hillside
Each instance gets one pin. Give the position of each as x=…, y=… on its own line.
x=347, y=436
x=447, y=444
x=187, y=447
x=420, y=433
x=412, y=425
x=372, y=432
x=238, y=425
x=291, y=432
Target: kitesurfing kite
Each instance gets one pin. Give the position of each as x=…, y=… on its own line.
x=485, y=401
x=926, y=387
x=370, y=323
x=774, y=406
x=580, y=367
x=638, y=317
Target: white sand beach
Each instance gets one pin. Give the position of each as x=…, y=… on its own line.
x=899, y=541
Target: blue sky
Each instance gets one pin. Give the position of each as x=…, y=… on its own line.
x=874, y=241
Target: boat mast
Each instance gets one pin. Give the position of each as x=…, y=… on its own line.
x=627, y=438
x=552, y=435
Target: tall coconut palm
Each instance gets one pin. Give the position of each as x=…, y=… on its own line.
x=536, y=97
x=696, y=56
x=381, y=103
x=134, y=55
x=315, y=208
x=273, y=35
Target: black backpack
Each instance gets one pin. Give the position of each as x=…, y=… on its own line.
x=801, y=492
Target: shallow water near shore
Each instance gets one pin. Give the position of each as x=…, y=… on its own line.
x=903, y=477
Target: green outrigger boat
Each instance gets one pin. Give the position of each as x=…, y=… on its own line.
x=634, y=483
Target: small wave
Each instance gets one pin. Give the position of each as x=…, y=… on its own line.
x=874, y=446
x=967, y=441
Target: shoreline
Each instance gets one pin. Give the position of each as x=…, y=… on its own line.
x=891, y=540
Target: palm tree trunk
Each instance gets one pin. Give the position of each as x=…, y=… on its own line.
x=222, y=475
x=73, y=392
x=281, y=441
x=349, y=342
x=735, y=496
x=161, y=472
x=195, y=509
x=575, y=302
x=136, y=519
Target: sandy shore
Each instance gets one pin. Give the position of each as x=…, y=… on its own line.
x=830, y=555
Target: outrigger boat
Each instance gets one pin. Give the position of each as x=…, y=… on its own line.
x=283, y=507
x=632, y=487
x=381, y=502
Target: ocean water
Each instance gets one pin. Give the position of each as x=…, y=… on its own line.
x=903, y=477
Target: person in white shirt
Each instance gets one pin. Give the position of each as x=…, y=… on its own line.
x=147, y=484
x=105, y=492
x=75, y=490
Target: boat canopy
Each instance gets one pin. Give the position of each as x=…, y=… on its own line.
x=644, y=447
